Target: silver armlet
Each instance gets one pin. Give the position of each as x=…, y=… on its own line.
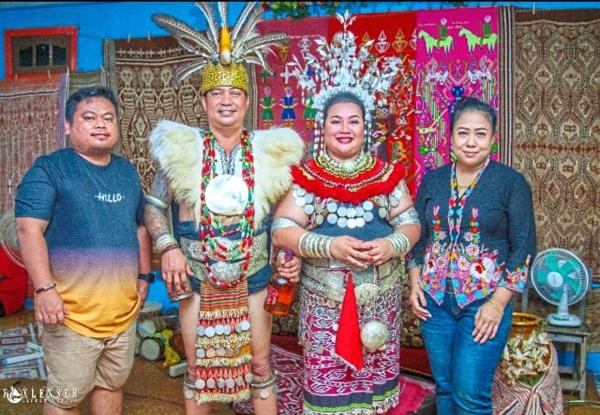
x=158, y=195
x=156, y=202
x=313, y=245
x=400, y=243
x=408, y=217
x=280, y=223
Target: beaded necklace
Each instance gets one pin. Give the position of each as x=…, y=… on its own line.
x=457, y=203
x=363, y=162
x=241, y=248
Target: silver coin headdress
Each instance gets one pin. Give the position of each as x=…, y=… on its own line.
x=342, y=66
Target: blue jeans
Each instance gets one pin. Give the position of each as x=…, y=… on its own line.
x=462, y=369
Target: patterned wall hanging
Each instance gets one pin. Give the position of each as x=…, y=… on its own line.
x=457, y=56
x=557, y=137
x=31, y=125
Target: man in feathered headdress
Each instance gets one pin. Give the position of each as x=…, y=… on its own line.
x=223, y=181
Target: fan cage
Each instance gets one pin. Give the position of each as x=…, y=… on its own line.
x=550, y=294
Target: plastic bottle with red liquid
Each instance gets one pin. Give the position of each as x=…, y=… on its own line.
x=280, y=292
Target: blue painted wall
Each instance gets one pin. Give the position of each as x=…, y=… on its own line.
x=118, y=20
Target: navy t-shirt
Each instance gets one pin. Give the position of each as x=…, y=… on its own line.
x=92, y=213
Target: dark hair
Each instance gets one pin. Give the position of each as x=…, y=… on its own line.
x=473, y=104
x=86, y=93
x=344, y=97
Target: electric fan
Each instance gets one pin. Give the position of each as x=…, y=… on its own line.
x=560, y=278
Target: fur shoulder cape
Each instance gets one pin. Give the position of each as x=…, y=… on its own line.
x=178, y=149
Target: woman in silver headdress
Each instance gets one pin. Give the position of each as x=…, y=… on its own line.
x=351, y=219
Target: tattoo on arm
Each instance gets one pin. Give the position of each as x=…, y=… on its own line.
x=160, y=187
x=155, y=218
x=156, y=221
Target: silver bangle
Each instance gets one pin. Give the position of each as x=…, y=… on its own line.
x=400, y=244
x=313, y=245
x=409, y=217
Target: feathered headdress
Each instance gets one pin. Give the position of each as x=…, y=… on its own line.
x=221, y=54
x=344, y=67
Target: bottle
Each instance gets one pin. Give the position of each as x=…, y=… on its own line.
x=280, y=293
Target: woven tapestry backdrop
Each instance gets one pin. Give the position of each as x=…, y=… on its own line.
x=557, y=140
x=457, y=56
x=31, y=125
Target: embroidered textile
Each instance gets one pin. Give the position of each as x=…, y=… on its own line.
x=278, y=98
x=329, y=384
x=414, y=392
x=31, y=125
x=557, y=136
x=457, y=55
x=492, y=249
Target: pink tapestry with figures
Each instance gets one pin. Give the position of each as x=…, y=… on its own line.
x=457, y=56
x=280, y=102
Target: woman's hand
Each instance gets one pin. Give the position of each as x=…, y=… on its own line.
x=487, y=320
x=175, y=270
x=351, y=251
x=380, y=250
x=418, y=302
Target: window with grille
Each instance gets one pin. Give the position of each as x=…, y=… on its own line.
x=35, y=52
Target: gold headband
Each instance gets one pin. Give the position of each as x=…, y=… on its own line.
x=214, y=76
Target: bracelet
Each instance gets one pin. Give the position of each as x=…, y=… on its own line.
x=164, y=241
x=168, y=248
x=400, y=244
x=46, y=287
x=313, y=245
x=496, y=306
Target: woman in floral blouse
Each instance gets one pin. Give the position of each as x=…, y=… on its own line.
x=478, y=238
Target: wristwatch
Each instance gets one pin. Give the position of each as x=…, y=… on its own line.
x=149, y=277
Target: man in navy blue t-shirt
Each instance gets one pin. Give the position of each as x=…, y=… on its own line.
x=80, y=226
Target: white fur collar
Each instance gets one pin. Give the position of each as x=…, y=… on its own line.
x=178, y=149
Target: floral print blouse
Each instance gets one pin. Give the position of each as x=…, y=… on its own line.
x=482, y=240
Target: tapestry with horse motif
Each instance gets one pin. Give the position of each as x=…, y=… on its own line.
x=457, y=56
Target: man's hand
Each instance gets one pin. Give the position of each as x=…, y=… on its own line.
x=175, y=270
x=50, y=308
x=142, y=290
x=289, y=268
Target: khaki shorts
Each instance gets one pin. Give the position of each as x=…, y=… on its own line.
x=76, y=364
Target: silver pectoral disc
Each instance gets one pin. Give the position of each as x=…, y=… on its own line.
x=226, y=195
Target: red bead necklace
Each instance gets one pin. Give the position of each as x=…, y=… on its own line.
x=240, y=249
